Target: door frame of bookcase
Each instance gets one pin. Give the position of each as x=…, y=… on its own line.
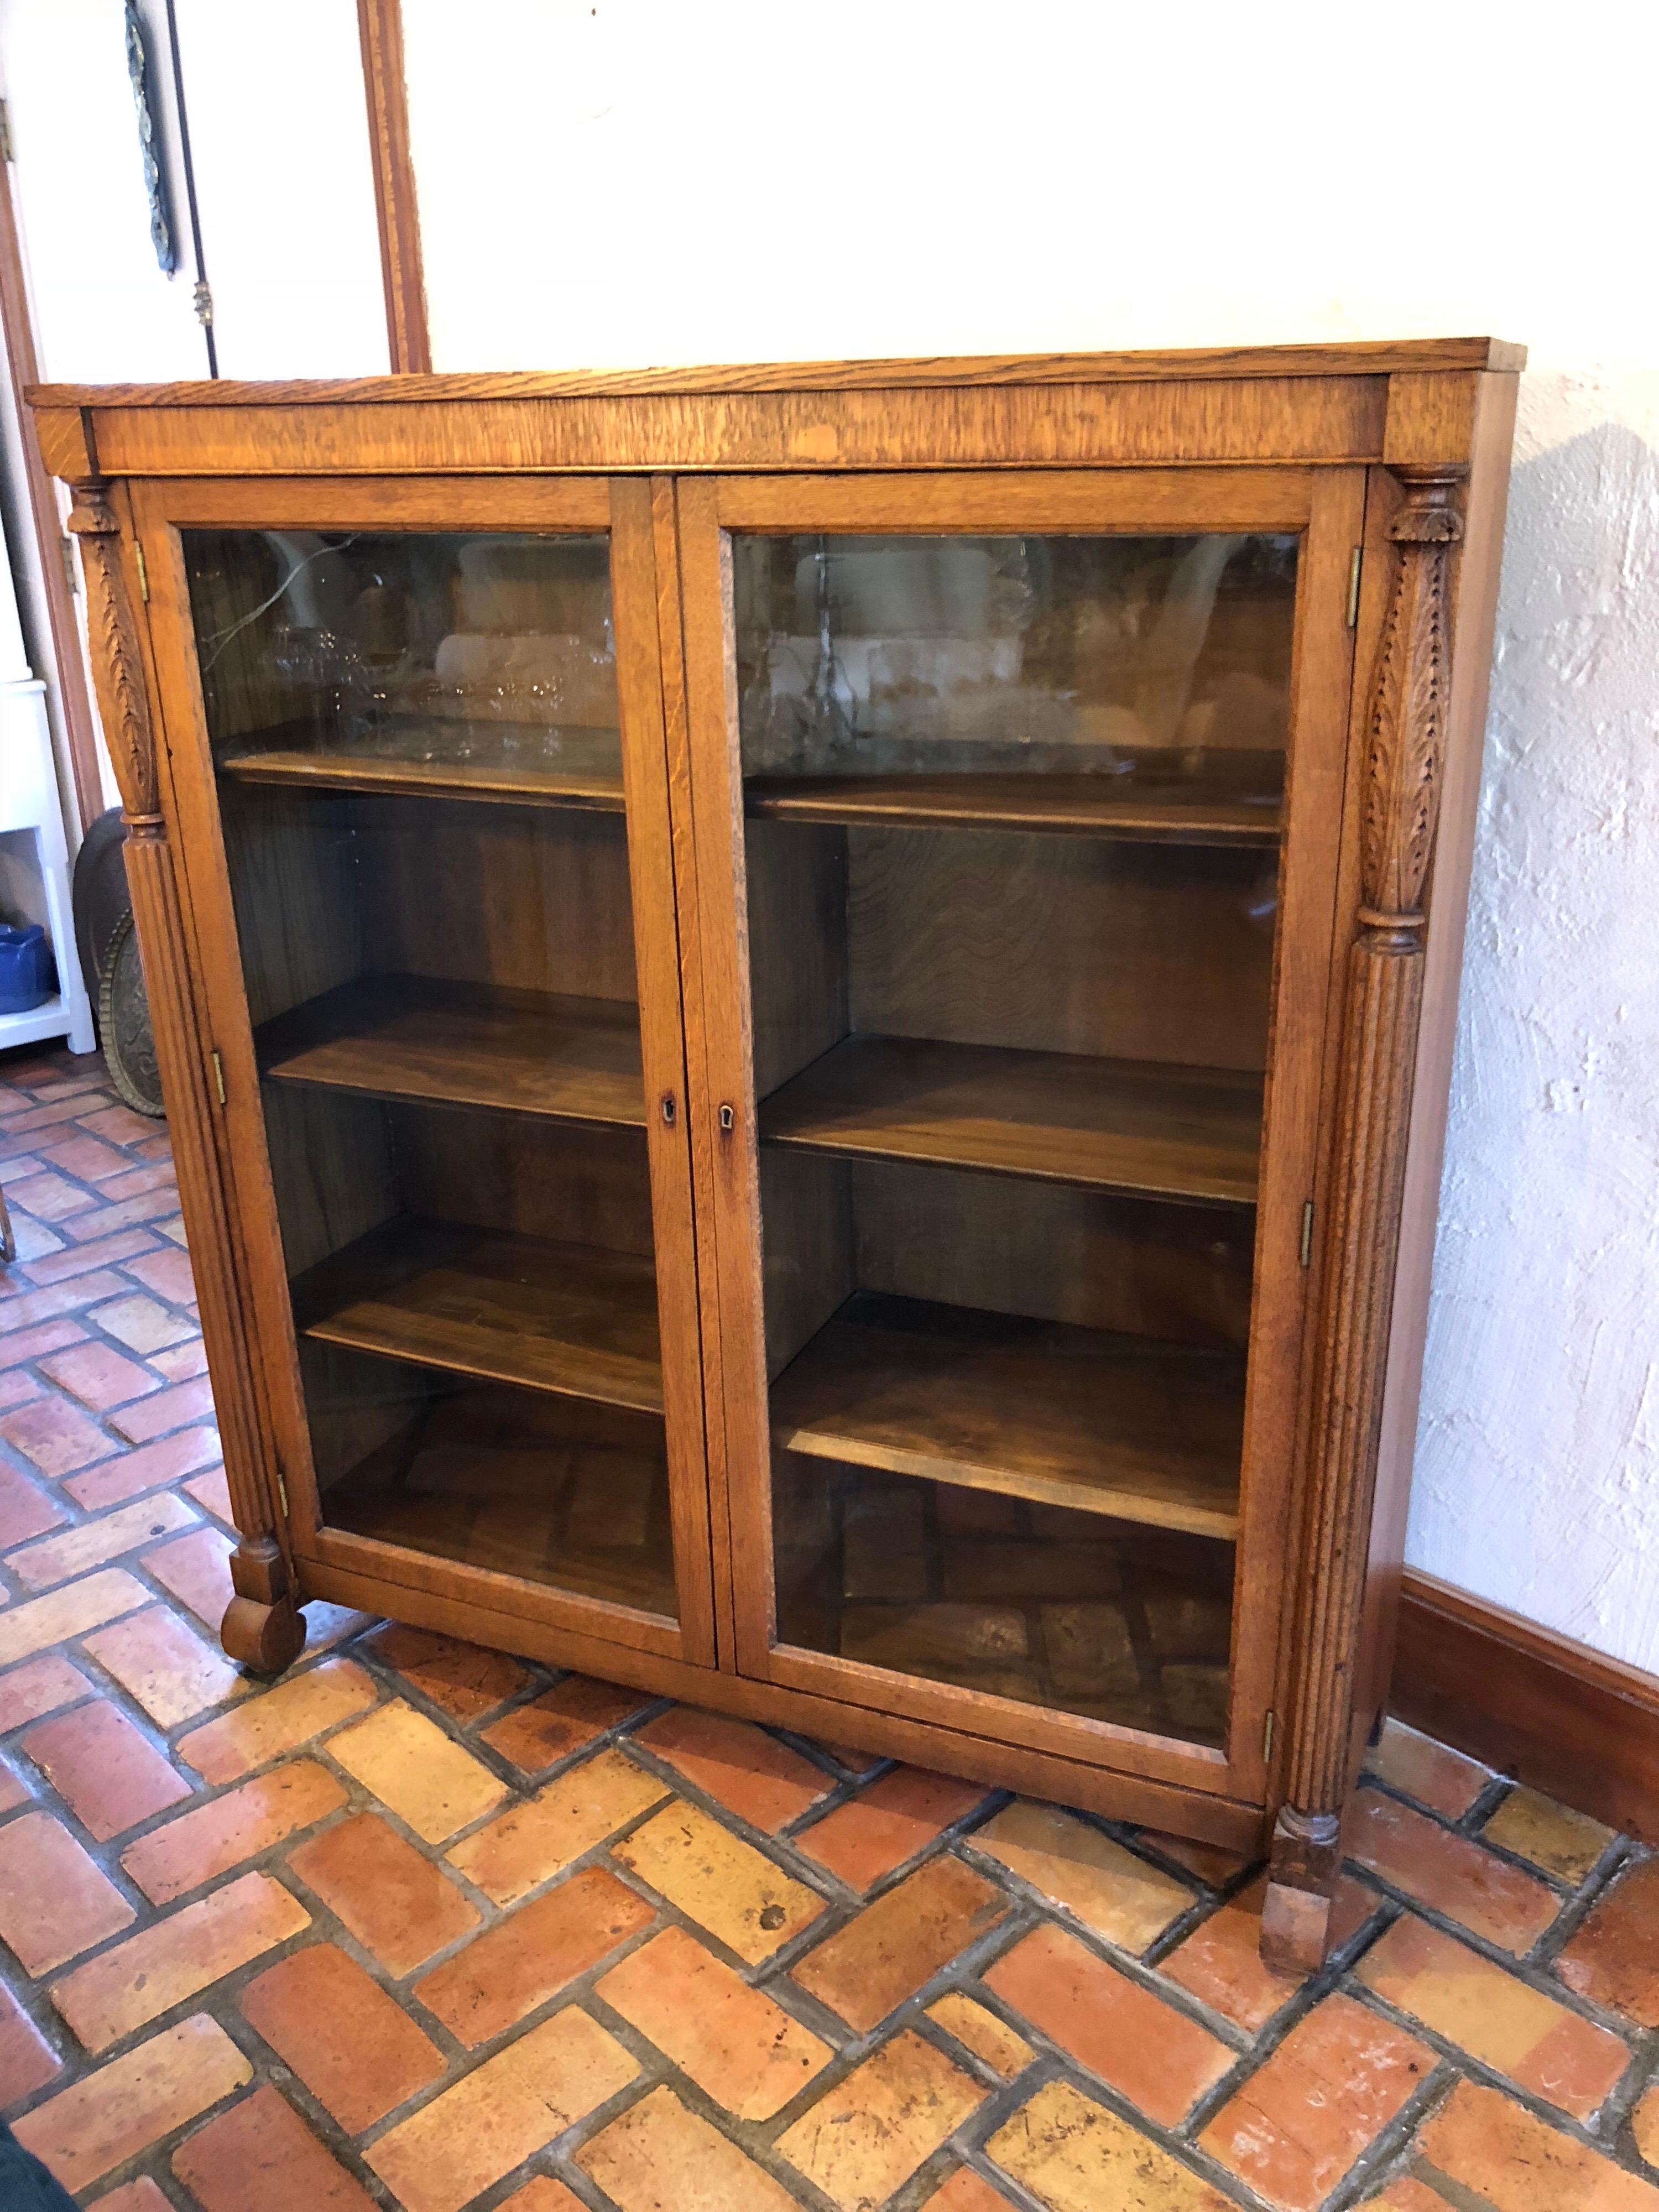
x=1327, y=508
x=505, y=504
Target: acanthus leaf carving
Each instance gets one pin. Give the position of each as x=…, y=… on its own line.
x=1409, y=696
x=116, y=665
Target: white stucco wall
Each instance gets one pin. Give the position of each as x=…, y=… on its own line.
x=642, y=180
x=1537, y=1473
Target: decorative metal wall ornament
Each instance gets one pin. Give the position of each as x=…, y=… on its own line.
x=124, y=1023
x=161, y=226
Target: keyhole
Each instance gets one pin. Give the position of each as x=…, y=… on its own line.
x=727, y=1117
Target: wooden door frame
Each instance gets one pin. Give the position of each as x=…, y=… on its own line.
x=1327, y=508
x=64, y=639
x=397, y=210
x=161, y=510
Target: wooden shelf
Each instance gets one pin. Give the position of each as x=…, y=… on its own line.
x=565, y=1318
x=1130, y=1426
x=587, y=773
x=1177, y=814
x=465, y=1044
x=1115, y=1125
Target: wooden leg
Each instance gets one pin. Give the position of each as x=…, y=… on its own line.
x=1307, y=1856
x=262, y=1628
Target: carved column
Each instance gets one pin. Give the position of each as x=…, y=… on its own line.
x=1379, y=1049
x=262, y=1625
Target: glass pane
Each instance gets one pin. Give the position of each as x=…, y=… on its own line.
x=480, y=659
x=1155, y=668
x=1013, y=826
x=417, y=741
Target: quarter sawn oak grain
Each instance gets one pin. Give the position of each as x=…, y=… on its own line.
x=1104, y=1124
x=413, y=1036
x=1110, y=1424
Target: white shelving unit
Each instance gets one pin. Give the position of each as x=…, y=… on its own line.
x=35, y=871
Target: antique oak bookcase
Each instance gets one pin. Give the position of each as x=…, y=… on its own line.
x=806, y=1016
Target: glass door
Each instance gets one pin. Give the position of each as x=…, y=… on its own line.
x=435, y=748
x=1008, y=763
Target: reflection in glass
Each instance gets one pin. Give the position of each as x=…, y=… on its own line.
x=1128, y=658
x=487, y=652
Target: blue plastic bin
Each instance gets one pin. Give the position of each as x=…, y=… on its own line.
x=26, y=977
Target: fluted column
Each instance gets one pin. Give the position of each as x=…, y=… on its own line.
x=262, y=1626
x=1403, y=770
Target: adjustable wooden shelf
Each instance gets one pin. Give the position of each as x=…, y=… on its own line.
x=805, y=1028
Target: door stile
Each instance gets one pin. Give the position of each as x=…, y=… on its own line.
x=265, y=1303
x=657, y=960
x=222, y=1014
x=262, y=1625
x=729, y=1107
x=264, y=1297
x=1309, y=869
x=700, y=1116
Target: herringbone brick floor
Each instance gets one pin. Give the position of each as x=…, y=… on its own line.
x=423, y=1926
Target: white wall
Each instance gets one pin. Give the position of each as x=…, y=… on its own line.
x=279, y=129
x=280, y=134
x=642, y=180
x=1537, y=1473
x=101, y=306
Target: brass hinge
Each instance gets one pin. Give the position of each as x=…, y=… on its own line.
x=143, y=573
x=1353, y=587
x=1268, y=1739
x=5, y=132
x=282, y=1491
x=1307, y=1232
x=218, y=1077
x=72, y=573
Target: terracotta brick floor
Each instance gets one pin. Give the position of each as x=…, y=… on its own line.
x=423, y=1926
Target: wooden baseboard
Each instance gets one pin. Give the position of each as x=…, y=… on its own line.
x=1551, y=1712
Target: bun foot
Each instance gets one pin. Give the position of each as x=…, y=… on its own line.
x=265, y=1638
